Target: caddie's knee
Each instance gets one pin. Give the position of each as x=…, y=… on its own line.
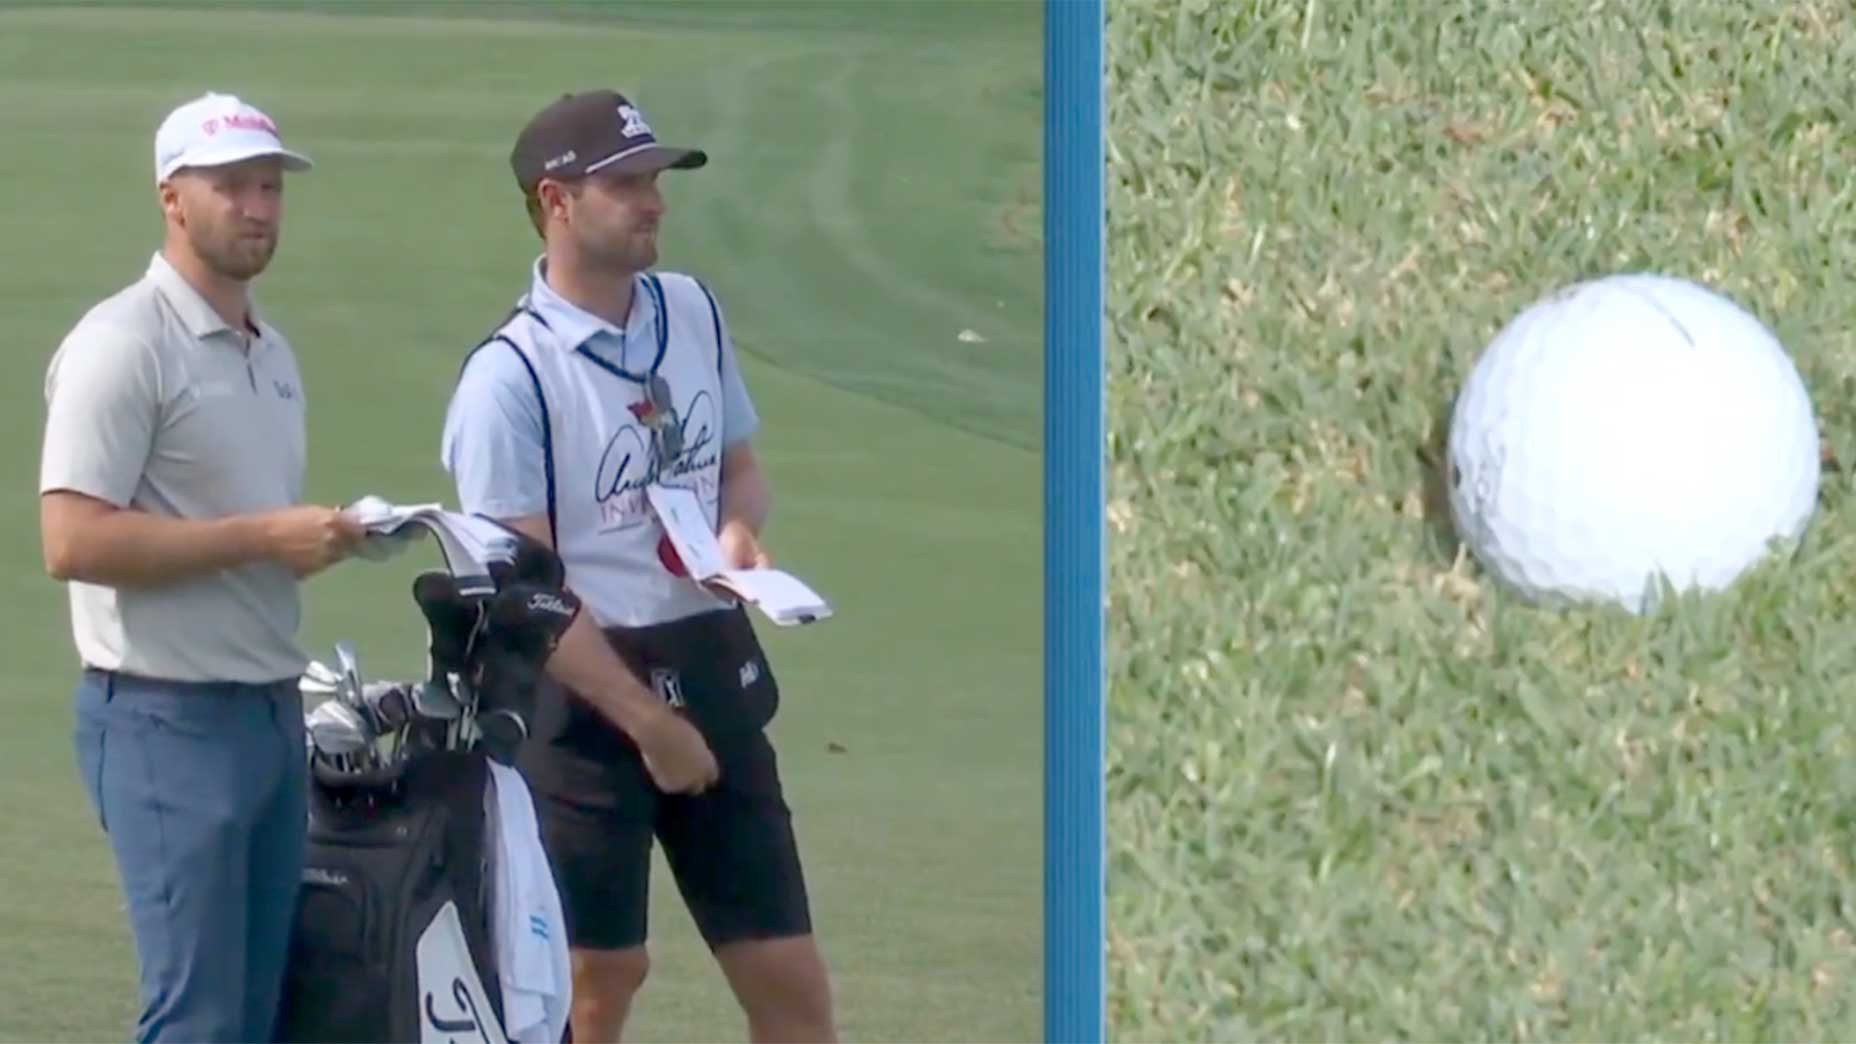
x=610, y=975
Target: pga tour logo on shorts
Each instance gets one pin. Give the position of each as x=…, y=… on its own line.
x=669, y=686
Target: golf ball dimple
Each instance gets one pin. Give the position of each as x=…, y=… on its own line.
x=1627, y=428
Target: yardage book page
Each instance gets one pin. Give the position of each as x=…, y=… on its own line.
x=783, y=597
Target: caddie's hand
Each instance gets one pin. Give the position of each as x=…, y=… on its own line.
x=676, y=755
x=741, y=548
x=310, y=538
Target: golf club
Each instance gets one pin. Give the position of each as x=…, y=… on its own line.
x=524, y=622
x=452, y=622
x=390, y=703
x=316, y=687
x=338, y=733
x=389, y=708
x=349, y=663
x=319, y=679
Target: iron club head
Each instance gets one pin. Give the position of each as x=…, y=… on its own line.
x=349, y=663
x=336, y=729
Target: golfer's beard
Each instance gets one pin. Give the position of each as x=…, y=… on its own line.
x=234, y=257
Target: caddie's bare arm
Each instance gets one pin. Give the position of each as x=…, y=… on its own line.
x=746, y=497
x=674, y=752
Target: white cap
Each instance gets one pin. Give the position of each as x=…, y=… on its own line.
x=215, y=129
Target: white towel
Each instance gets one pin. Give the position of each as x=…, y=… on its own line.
x=528, y=932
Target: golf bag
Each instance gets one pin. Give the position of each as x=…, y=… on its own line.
x=392, y=938
x=395, y=934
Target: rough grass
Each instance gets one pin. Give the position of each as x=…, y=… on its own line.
x=1356, y=790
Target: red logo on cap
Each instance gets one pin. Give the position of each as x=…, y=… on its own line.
x=238, y=120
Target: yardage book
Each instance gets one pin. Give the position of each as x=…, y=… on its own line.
x=779, y=595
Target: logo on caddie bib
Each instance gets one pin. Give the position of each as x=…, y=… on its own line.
x=627, y=465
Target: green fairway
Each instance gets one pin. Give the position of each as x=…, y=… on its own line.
x=1357, y=791
x=868, y=199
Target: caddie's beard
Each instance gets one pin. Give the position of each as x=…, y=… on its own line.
x=630, y=256
x=238, y=256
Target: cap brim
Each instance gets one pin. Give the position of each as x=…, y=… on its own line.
x=652, y=159
x=224, y=157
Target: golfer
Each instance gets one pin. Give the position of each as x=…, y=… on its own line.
x=170, y=483
x=608, y=377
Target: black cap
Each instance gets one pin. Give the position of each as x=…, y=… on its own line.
x=581, y=134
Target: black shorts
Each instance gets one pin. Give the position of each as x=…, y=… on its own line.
x=731, y=849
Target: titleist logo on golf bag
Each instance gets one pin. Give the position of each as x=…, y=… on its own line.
x=446, y=971
x=460, y=991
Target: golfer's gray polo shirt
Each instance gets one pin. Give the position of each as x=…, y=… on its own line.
x=154, y=404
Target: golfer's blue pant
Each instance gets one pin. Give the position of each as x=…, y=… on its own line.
x=202, y=790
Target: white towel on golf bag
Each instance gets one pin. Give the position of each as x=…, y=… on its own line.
x=528, y=932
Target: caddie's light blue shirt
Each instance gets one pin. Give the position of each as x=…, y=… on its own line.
x=493, y=438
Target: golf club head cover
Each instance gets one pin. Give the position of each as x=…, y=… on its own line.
x=523, y=623
x=500, y=734
x=534, y=563
x=451, y=621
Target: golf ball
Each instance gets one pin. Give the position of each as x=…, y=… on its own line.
x=1626, y=428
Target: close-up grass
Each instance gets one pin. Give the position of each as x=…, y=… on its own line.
x=1357, y=789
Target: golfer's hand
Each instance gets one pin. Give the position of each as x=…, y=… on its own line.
x=676, y=755
x=741, y=548
x=310, y=538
